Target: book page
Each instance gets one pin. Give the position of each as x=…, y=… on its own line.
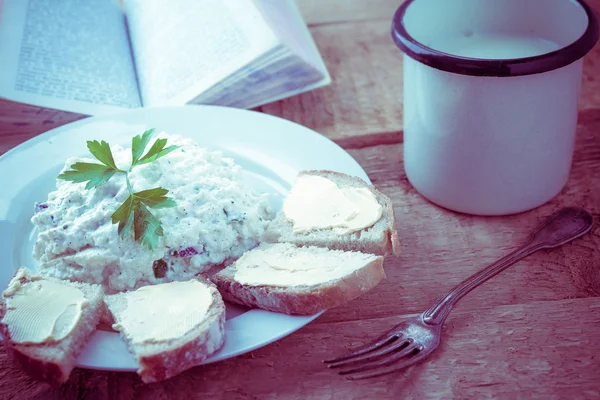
x=295, y=67
x=287, y=23
x=70, y=55
x=286, y=20
x=283, y=73
x=183, y=48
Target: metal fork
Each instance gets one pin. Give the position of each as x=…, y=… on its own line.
x=414, y=339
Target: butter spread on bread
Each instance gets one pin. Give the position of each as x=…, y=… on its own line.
x=170, y=327
x=295, y=286
x=42, y=310
x=46, y=323
x=287, y=266
x=316, y=202
x=166, y=311
x=336, y=211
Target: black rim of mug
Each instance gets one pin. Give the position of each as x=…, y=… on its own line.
x=501, y=67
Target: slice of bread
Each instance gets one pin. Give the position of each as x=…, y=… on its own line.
x=162, y=359
x=381, y=238
x=53, y=361
x=259, y=278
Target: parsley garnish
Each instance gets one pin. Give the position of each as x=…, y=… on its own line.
x=134, y=214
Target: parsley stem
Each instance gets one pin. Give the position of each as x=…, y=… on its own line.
x=134, y=214
x=128, y=183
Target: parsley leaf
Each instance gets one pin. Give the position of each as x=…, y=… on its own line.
x=134, y=215
x=147, y=227
x=101, y=150
x=124, y=216
x=138, y=145
x=156, y=151
x=94, y=174
x=155, y=198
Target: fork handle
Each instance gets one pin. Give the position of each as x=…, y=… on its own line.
x=437, y=313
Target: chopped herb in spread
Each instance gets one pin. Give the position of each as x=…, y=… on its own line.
x=159, y=267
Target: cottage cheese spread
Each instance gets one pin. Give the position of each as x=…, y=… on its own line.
x=217, y=218
x=318, y=203
x=42, y=310
x=166, y=311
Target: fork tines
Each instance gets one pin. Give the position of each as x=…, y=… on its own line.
x=385, y=351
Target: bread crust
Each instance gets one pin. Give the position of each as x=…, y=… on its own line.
x=180, y=355
x=171, y=362
x=387, y=243
x=56, y=369
x=53, y=372
x=300, y=300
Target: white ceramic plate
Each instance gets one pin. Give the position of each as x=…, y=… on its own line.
x=271, y=150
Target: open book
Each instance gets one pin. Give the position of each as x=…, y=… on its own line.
x=98, y=56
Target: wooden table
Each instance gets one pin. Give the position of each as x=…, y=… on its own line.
x=532, y=332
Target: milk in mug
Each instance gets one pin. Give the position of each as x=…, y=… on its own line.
x=493, y=46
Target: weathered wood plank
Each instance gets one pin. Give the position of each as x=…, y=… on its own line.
x=538, y=350
x=317, y=12
x=21, y=122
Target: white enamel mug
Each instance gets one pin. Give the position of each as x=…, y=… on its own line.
x=491, y=91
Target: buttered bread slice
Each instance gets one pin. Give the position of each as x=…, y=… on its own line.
x=46, y=323
x=169, y=327
x=298, y=280
x=337, y=211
